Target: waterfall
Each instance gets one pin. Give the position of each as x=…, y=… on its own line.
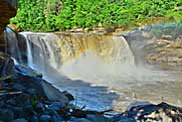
x=72, y=54
x=41, y=51
x=83, y=56
x=12, y=45
x=78, y=62
x=29, y=52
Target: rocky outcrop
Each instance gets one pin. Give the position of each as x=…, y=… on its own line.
x=166, y=53
x=25, y=78
x=7, y=10
x=6, y=65
x=162, y=112
x=23, y=92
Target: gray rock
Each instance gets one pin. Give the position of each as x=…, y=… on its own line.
x=68, y=95
x=23, y=99
x=55, y=106
x=6, y=115
x=40, y=108
x=126, y=119
x=11, y=102
x=152, y=113
x=31, y=91
x=45, y=118
x=2, y=103
x=30, y=79
x=53, y=93
x=112, y=116
x=6, y=66
x=32, y=82
x=80, y=120
x=34, y=119
x=56, y=117
x=19, y=87
x=18, y=111
x=98, y=118
x=27, y=110
x=27, y=71
x=20, y=120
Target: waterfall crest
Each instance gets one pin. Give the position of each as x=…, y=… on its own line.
x=84, y=56
x=72, y=54
x=12, y=46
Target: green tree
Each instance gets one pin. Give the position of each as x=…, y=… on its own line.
x=58, y=15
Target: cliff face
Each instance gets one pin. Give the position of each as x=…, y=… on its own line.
x=7, y=10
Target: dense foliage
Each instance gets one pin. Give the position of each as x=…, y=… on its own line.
x=56, y=15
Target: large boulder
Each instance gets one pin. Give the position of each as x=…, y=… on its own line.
x=32, y=79
x=7, y=10
x=162, y=112
x=23, y=78
x=6, y=66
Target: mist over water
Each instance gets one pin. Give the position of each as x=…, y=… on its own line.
x=101, y=70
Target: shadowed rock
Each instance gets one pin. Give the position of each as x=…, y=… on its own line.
x=6, y=66
x=162, y=112
x=7, y=10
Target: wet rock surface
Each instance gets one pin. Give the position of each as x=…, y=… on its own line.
x=162, y=112
x=7, y=67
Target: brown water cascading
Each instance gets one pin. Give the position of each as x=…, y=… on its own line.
x=72, y=53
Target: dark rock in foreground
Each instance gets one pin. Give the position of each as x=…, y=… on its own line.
x=26, y=97
x=162, y=112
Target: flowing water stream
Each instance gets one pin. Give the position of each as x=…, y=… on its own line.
x=101, y=70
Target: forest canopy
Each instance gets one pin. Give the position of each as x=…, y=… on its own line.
x=60, y=15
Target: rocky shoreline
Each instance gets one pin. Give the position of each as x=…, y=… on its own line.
x=26, y=97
